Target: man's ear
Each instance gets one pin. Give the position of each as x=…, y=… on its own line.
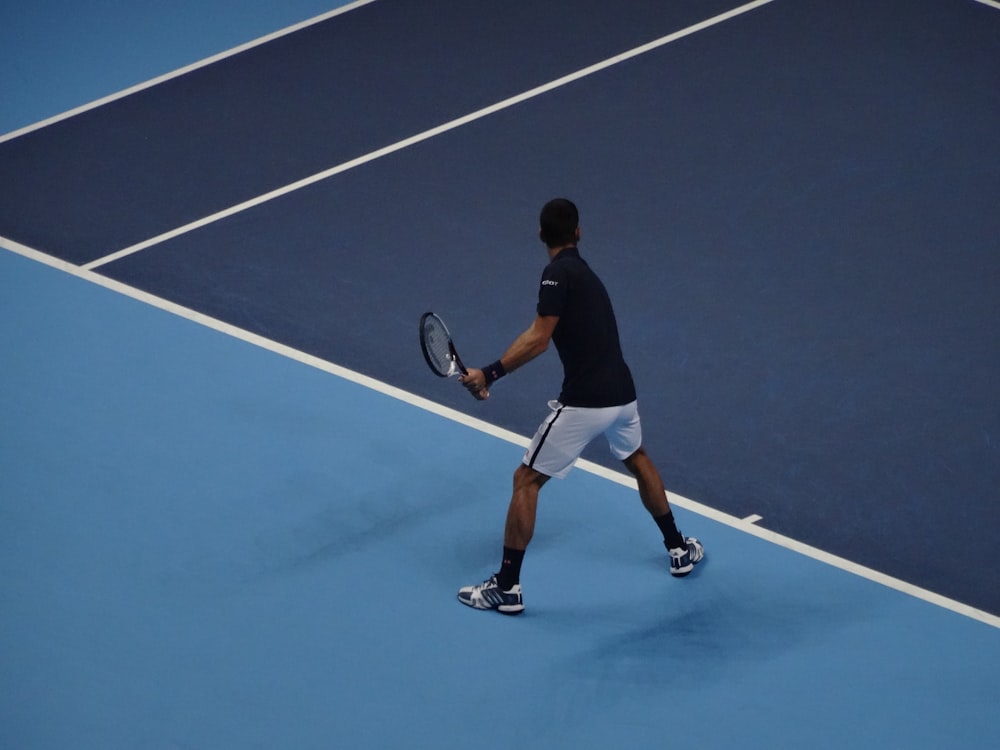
x=578, y=234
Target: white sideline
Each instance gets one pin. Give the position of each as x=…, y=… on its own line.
x=181, y=71
x=747, y=525
x=221, y=56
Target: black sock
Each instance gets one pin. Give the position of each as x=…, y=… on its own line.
x=510, y=568
x=671, y=536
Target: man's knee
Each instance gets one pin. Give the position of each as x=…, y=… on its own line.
x=637, y=461
x=525, y=475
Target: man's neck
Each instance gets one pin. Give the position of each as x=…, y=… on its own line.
x=554, y=251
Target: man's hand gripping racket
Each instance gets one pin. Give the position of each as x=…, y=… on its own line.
x=439, y=351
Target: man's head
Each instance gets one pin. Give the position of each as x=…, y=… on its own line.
x=559, y=223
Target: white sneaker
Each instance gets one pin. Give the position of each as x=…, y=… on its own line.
x=488, y=595
x=683, y=559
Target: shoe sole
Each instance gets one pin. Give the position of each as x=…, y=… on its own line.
x=504, y=609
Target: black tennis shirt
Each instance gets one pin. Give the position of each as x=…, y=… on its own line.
x=594, y=371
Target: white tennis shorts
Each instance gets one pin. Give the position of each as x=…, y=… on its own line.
x=564, y=434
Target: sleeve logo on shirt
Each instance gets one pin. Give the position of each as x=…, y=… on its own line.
x=548, y=282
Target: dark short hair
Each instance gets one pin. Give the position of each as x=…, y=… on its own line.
x=558, y=221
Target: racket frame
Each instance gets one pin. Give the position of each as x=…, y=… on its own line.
x=456, y=362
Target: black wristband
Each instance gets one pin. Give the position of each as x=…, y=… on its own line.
x=494, y=372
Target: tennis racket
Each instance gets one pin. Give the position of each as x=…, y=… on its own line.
x=438, y=348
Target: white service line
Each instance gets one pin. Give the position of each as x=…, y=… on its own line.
x=745, y=525
x=182, y=71
x=425, y=135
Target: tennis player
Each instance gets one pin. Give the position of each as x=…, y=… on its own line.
x=598, y=398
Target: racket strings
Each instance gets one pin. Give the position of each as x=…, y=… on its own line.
x=438, y=344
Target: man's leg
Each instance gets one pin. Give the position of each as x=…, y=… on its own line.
x=520, y=524
x=502, y=591
x=684, y=552
x=523, y=507
x=651, y=490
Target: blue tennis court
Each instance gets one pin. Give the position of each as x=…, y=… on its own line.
x=235, y=506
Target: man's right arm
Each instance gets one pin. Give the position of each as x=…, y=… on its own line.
x=525, y=348
x=531, y=343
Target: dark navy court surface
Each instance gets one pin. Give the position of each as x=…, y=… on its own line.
x=794, y=210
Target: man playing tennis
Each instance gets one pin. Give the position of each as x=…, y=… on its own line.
x=598, y=397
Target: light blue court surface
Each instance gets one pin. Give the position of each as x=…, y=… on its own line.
x=200, y=547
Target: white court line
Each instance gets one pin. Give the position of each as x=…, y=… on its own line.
x=182, y=71
x=216, y=58
x=742, y=524
x=425, y=135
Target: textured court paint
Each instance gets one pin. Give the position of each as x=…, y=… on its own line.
x=882, y=718
x=786, y=366
x=59, y=56
x=203, y=548
x=806, y=329
x=825, y=373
